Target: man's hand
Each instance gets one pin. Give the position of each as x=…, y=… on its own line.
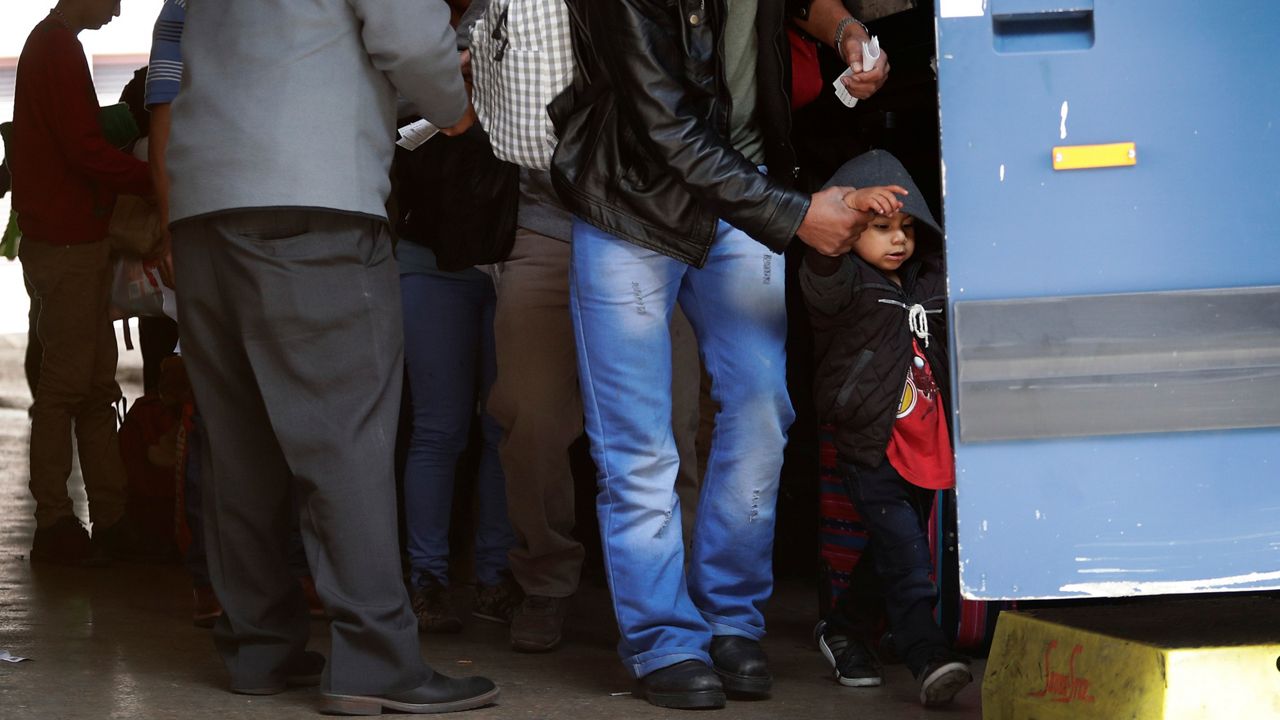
x=862, y=84
x=830, y=226
x=879, y=199
x=824, y=18
x=468, y=119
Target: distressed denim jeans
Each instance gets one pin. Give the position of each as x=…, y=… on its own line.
x=622, y=296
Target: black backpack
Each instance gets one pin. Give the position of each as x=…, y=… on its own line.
x=455, y=197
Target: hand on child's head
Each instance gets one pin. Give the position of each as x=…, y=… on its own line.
x=880, y=199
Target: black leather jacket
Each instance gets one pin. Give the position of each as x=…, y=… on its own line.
x=644, y=151
x=862, y=347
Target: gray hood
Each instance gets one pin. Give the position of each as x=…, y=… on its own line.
x=878, y=167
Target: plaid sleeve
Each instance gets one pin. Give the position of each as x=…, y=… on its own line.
x=164, y=73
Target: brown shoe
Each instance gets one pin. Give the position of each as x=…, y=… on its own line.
x=65, y=542
x=537, y=623
x=434, y=607
x=498, y=602
x=205, y=608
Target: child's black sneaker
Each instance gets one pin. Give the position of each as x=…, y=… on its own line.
x=854, y=663
x=945, y=676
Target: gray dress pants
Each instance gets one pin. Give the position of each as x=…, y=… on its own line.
x=291, y=332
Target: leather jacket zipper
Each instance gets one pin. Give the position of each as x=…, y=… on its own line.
x=786, y=92
x=723, y=120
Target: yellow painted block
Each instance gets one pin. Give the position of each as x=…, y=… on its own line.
x=1046, y=670
x=1083, y=157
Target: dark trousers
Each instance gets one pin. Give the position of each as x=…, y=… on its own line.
x=196, y=558
x=292, y=337
x=895, y=513
x=31, y=363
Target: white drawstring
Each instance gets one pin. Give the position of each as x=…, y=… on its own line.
x=917, y=318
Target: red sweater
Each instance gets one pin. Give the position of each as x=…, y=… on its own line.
x=65, y=174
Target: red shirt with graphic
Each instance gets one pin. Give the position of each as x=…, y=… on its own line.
x=920, y=446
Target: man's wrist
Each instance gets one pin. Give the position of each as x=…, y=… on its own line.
x=822, y=265
x=841, y=28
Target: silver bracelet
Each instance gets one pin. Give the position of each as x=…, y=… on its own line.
x=840, y=28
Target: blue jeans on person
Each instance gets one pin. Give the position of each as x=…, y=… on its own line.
x=896, y=515
x=449, y=355
x=622, y=296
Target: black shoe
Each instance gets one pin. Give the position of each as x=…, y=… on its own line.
x=302, y=671
x=945, y=676
x=686, y=685
x=854, y=663
x=440, y=694
x=742, y=666
x=433, y=607
x=65, y=542
x=122, y=541
x=886, y=650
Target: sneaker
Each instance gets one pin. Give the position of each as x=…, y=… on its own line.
x=537, y=623
x=65, y=542
x=434, y=608
x=205, y=608
x=854, y=663
x=945, y=676
x=498, y=602
x=886, y=650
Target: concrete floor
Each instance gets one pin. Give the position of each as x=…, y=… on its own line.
x=118, y=642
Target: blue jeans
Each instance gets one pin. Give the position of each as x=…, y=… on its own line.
x=448, y=351
x=896, y=514
x=622, y=297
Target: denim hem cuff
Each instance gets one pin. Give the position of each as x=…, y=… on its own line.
x=725, y=626
x=647, y=662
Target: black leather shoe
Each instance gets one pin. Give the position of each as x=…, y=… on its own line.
x=303, y=670
x=742, y=666
x=687, y=685
x=440, y=694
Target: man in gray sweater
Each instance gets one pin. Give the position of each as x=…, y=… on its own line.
x=279, y=158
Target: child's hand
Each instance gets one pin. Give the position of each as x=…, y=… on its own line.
x=880, y=199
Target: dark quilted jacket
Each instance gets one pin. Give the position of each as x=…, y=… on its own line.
x=863, y=348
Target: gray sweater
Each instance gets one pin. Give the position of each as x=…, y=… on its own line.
x=293, y=104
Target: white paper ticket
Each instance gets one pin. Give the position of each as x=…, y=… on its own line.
x=870, y=56
x=414, y=134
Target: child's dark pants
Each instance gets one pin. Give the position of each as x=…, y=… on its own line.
x=895, y=513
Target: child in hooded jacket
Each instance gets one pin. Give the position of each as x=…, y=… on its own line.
x=879, y=321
